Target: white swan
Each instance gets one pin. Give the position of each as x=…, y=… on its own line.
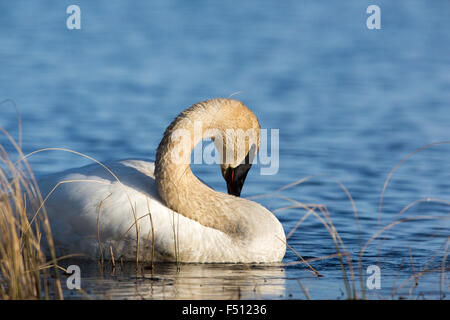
x=186, y=220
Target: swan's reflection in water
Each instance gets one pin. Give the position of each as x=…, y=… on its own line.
x=185, y=281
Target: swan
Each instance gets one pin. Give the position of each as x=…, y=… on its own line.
x=160, y=211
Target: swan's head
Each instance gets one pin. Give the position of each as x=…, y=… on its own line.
x=238, y=143
x=229, y=123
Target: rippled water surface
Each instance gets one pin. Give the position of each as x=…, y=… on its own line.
x=349, y=103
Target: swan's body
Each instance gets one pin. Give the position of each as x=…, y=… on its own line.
x=203, y=225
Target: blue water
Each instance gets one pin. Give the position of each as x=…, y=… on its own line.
x=349, y=103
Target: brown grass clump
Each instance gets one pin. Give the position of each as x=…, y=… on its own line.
x=24, y=271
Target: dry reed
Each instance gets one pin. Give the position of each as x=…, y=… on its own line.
x=25, y=273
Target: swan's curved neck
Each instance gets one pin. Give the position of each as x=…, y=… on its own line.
x=180, y=189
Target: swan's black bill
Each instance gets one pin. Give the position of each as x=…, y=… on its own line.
x=235, y=178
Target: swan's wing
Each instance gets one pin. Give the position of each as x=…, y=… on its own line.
x=90, y=197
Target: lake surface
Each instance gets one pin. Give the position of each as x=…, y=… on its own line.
x=349, y=103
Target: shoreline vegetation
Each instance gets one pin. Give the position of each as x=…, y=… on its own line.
x=25, y=272
x=28, y=271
